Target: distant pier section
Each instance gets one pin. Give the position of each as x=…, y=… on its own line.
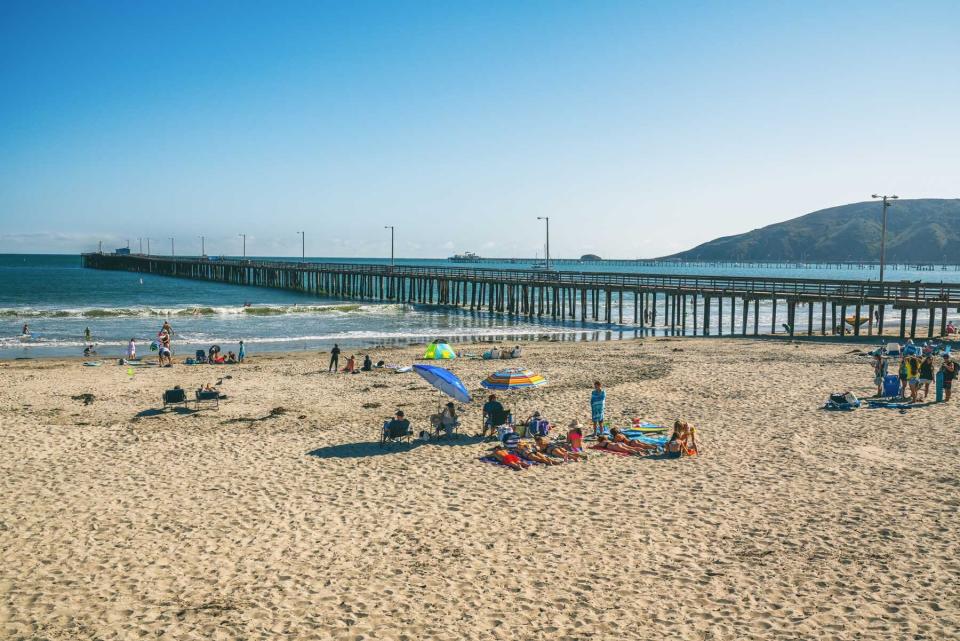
x=667, y=303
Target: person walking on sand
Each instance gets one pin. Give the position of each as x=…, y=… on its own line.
x=242, y=353
x=131, y=350
x=598, y=401
x=334, y=359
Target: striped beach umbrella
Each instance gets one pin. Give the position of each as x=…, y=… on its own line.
x=513, y=378
x=438, y=351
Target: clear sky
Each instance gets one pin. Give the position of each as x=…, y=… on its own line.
x=640, y=128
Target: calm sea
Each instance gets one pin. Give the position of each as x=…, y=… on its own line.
x=59, y=301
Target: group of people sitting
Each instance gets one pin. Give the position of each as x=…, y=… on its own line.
x=351, y=366
x=215, y=356
x=496, y=353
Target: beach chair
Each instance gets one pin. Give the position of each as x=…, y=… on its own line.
x=200, y=356
x=893, y=350
x=175, y=396
x=207, y=396
x=436, y=426
x=391, y=433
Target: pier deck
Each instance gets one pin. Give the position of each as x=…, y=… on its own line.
x=677, y=304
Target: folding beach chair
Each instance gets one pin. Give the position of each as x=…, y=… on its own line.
x=391, y=433
x=201, y=356
x=208, y=396
x=175, y=396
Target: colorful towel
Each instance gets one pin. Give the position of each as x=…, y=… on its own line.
x=493, y=460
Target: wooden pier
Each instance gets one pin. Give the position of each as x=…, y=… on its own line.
x=672, y=304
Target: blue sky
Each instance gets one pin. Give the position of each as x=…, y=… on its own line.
x=639, y=128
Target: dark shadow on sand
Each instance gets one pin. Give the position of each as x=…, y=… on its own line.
x=372, y=448
x=153, y=411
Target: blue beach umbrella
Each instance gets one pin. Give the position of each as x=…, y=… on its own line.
x=444, y=380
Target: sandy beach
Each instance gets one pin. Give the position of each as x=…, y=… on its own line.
x=279, y=516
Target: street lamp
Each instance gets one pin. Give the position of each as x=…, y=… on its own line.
x=148, y=246
x=390, y=227
x=141, y=244
x=203, y=247
x=244, y=244
x=172, y=253
x=883, y=229
x=303, y=245
x=547, y=218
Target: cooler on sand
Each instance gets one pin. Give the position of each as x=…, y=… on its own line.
x=891, y=385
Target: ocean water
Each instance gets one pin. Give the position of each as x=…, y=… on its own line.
x=59, y=301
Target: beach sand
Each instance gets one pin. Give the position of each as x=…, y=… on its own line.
x=121, y=522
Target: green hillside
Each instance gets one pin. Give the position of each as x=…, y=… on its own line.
x=925, y=230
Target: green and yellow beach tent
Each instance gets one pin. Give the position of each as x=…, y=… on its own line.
x=439, y=351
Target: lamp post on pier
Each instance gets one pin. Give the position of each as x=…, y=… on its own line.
x=886, y=200
x=203, y=247
x=172, y=252
x=244, y=244
x=547, y=218
x=303, y=245
x=390, y=227
x=148, y=245
x=141, y=244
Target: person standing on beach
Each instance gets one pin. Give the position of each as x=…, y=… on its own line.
x=598, y=401
x=879, y=371
x=949, y=369
x=334, y=359
x=926, y=374
x=131, y=350
x=242, y=353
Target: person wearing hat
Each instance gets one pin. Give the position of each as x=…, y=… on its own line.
x=949, y=369
x=399, y=422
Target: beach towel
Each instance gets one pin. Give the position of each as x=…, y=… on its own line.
x=93, y=363
x=598, y=399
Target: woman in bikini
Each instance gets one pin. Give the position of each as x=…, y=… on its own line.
x=575, y=437
x=604, y=443
x=525, y=451
x=555, y=449
x=621, y=438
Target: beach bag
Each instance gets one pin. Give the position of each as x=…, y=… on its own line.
x=843, y=401
x=891, y=385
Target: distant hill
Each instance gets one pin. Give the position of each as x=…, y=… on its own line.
x=925, y=230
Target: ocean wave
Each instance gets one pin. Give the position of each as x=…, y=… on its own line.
x=199, y=310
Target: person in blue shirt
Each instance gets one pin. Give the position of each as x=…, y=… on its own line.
x=242, y=353
x=491, y=408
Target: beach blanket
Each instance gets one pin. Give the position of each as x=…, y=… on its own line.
x=93, y=363
x=890, y=405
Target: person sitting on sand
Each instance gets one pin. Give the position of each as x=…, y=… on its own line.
x=231, y=358
x=619, y=437
x=89, y=351
x=367, y=363
x=683, y=441
x=528, y=453
x=555, y=449
x=951, y=329
x=350, y=366
x=537, y=425
x=510, y=460
x=604, y=443
x=575, y=436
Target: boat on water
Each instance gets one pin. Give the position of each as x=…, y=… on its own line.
x=466, y=257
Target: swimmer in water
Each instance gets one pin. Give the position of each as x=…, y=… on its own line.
x=26, y=330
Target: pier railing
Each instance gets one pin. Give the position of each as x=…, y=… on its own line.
x=563, y=294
